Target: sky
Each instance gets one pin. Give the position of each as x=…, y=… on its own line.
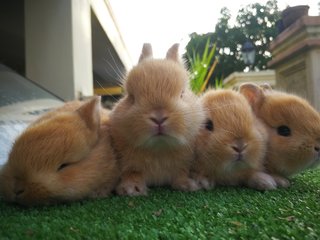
x=165, y=22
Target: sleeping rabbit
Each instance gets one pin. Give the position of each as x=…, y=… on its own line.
x=63, y=156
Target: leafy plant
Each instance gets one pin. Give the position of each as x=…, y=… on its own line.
x=255, y=22
x=200, y=67
x=218, y=83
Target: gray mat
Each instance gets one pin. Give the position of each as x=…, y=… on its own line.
x=21, y=102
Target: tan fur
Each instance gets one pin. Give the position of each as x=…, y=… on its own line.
x=75, y=134
x=234, y=127
x=156, y=87
x=146, y=52
x=292, y=154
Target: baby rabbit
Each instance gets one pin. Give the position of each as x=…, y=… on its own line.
x=293, y=128
x=231, y=146
x=63, y=156
x=154, y=125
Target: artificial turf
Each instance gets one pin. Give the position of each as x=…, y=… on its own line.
x=222, y=213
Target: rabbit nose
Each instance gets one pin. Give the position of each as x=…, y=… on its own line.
x=158, y=120
x=158, y=117
x=237, y=149
x=18, y=192
x=239, y=146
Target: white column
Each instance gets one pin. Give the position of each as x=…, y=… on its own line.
x=313, y=77
x=58, y=46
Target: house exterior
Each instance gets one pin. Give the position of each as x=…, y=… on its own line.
x=73, y=48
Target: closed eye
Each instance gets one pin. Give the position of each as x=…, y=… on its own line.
x=62, y=166
x=182, y=93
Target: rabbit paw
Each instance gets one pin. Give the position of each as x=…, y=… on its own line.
x=130, y=188
x=281, y=181
x=203, y=182
x=186, y=184
x=101, y=193
x=262, y=181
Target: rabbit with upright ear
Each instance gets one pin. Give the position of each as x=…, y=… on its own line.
x=293, y=127
x=231, y=145
x=154, y=125
x=63, y=156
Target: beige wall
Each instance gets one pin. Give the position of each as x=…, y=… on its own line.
x=291, y=77
x=296, y=59
x=58, y=46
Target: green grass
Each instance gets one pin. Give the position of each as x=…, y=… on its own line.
x=223, y=213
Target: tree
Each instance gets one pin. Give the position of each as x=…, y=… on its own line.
x=255, y=22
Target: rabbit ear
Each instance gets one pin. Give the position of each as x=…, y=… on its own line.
x=173, y=52
x=253, y=93
x=266, y=86
x=146, y=52
x=90, y=113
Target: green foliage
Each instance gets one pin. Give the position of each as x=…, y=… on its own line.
x=218, y=83
x=255, y=22
x=201, y=67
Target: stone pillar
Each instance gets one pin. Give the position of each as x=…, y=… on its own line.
x=296, y=59
x=59, y=46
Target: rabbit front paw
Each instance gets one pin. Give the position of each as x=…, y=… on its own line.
x=281, y=181
x=185, y=184
x=132, y=188
x=204, y=182
x=262, y=181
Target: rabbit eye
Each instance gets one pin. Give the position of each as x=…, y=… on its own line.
x=209, y=125
x=62, y=166
x=284, y=131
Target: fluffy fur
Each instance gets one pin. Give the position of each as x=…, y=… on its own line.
x=63, y=156
x=154, y=125
x=231, y=146
x=287, y=155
